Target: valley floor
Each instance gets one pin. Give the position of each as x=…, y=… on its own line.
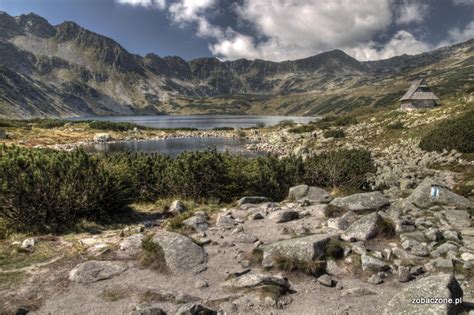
x=301, y=256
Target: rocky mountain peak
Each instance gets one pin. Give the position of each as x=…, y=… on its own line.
x=8, y=26
x=35, y=25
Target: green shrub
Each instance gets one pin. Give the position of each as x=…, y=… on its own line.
x=51, y=191
x=46, y=190
x=48, y=123
x=260, y=125
x=398, y=125
x=302, y=129
x=223, y=128
x=152, y=255
x=286, y=123
x=335, y=121
x=336, y=134
x=114, y=126
x=344, y=168
x=456, y=133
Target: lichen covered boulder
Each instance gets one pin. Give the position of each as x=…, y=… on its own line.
x=181, y=253
x=430, y=193
x=443, y=286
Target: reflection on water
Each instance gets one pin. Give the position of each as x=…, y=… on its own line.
x=175, y=146
x=204, y=122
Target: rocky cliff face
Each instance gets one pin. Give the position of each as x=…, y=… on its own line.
x=80, y=72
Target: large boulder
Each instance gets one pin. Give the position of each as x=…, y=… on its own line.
x=181, y=253
x=312, y=194
x=362, y=202
x=443, y=286
x=430, y=193
x=251, y=200
x=92, y=271
x=306, y=248
x=365, y=228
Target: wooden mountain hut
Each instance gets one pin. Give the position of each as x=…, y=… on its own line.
x=419, y=96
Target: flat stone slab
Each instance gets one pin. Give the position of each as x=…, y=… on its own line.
x=362, y=202
x=438, y=286
x=92, y=271
x=365, y=228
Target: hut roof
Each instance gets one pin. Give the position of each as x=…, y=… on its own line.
x=413, y=94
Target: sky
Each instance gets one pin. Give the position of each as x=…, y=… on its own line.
x=274, y=30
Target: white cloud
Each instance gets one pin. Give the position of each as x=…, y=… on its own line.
x=299, y=28
x=401, y=43
x=161, y=4
x=456, y=35
x=411, y=12
x=463, y=2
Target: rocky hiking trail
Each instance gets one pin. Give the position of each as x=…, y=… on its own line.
x=367, y=253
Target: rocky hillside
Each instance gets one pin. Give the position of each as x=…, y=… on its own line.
x=65, y=70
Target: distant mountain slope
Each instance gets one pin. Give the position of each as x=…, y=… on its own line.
x=67, y=70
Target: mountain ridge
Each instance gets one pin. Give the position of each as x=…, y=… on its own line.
x=82, y=72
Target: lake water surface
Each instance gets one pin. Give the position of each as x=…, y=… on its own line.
x=175, y=146
x=203, y=122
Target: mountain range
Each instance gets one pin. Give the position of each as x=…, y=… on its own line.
x=66, y=70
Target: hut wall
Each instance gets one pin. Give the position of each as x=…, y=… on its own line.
x=417, y=104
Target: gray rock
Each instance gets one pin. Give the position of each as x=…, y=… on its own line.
x=451, y=235
x=365, y=228
x=177, y=207
x=251, y=200
x=458, y=218
x=29, y=243
x=404, y=274
x=375, y=279
x=312, y=194
x=92, y=271
x=285, y=216
x=433, y=234
x=357, y=292
x=131, y=245
x=102, y=137
x=181, y=253
x=255, y=281
x=420, y=250
x=362, y=202
x=442, y=263
x=151, y=310
x=195, y=309
x=372, y=263
x=198, y=222
x=439, y=286
x=430, y=193
x=225, y=220
x=407, y=258
x=343, y=222
x=326, y=280
x=3, y=134
x=306, y=248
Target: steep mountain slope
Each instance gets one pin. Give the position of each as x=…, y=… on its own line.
x=66, y=70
